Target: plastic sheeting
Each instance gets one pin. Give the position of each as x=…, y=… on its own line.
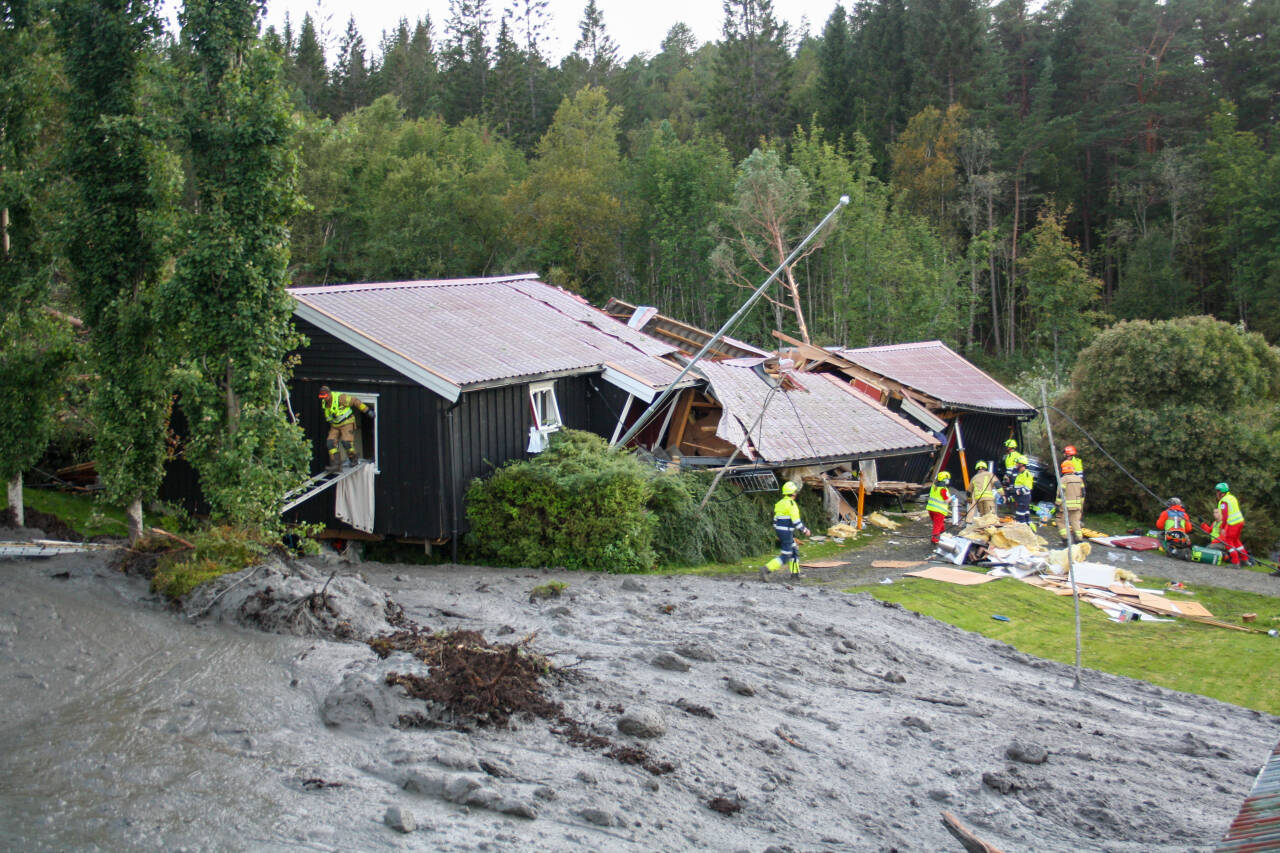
x=353, y=500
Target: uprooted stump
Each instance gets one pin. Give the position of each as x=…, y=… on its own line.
x=485, y=683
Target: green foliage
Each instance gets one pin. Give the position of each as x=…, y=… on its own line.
x=731, y=526
x=1183, y=404
x=218, y=551
x=115, y=233
x=553, y=589
x=575, y=505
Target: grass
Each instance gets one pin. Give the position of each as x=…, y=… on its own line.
x=87, y=514
x=219, y=551
x=808, y=551
x=1182, y=655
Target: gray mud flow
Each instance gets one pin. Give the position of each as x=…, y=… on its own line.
x=797, y=718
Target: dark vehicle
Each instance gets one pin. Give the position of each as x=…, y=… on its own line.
x=1045, y=487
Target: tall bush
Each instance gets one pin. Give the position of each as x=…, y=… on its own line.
x=575, y=505
x=1183, y=404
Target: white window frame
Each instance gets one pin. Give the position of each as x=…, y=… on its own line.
x=545, y=410
x=368, y=400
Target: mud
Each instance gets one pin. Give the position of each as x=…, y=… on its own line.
x=799, y=718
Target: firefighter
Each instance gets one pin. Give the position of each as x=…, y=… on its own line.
x=1228, y=522
x=1022, y=483
x=1010, y=461
x=340, y=413
x=1174, y=525
x=1070, y=499
x=939, y=503
x=1077, y=463
x=786, y=521
x=982, y=490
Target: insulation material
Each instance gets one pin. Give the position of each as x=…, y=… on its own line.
x=843, y=531
x=947, y=575
x=881, y=521
x=1016, y=534
x=1058, y=559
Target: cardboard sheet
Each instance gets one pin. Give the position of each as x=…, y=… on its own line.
x=824, y=564
x=1094, y=574
x=1194, y=608
x=896, y=564
x=948, y=575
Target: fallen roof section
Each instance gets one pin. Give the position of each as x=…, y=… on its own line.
x=934, y=369
x=686, y=338
x=820, y=419
x=455, y=335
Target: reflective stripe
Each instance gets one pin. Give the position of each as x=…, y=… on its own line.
x=334, y=413
x=981, y=485
x=937, y=503
x=1234, y=515
x=1177, y=519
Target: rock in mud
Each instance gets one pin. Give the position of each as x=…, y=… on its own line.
x=894, y=677
x=643, y=722
x=697, y=651
x=668, y=661
x=1002, y=782
x=458, y=759
x=1027, y=753
x=599, y=817
x=917, y=723
x=399, y=819
x=740, y=687
x=357, y=701
x=633, y=585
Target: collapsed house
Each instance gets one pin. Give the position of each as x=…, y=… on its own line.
x=935, y=387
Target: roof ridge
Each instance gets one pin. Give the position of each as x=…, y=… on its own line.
x=358, y=286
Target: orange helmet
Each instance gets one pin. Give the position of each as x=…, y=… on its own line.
x=1067, y=467
x=324, y=392
x=1070, y=450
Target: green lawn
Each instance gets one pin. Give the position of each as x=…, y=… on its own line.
x=85, y=513
x=1228, y=665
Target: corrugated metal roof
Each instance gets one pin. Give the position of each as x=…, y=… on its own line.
x=939, y=371
x=1257, y=827
x=473, y=331
x=824, y=419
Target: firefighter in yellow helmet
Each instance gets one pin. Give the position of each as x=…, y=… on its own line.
x=1022, y=483
x=1009, y=462
x=982, y=489
x=786, y=523
x=939, y=503
x=340, y=413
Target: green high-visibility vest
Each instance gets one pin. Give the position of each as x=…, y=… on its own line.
x=335, y=413
x=936, y=502
x=1234, y=515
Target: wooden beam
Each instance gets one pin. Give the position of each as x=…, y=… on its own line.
x=681, y=419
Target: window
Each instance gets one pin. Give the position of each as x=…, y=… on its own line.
x=366, y=443
x=546, y=415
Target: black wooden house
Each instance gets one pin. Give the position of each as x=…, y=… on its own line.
x=464, y=375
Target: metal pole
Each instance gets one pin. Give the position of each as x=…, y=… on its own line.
x=1071, y=571
x=728, y=324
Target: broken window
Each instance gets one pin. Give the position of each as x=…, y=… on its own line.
x=546, y=415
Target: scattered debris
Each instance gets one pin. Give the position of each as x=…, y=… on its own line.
x=724, y=806
x=554, y=589
x=882, y=521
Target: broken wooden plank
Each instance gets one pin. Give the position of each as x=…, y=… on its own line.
x=970, y=842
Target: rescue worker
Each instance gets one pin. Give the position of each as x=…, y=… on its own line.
x=982, y=489
x=1010, y=461
x=1022, y=483
x=786, y=521
x=1228, y=522
x=340, y=413
x=939, y=503
x=1174, y=525
x=1070, y=499
x=1076, y=462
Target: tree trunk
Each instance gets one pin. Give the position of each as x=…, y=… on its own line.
x=991, y=268
x=1011, y=296
x=15, y=501
x=133, y=515
x=795, y=302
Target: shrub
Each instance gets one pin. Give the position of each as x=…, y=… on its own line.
x=731, y=526
x=575, y=505
x=1182, y=404
x=218, y=551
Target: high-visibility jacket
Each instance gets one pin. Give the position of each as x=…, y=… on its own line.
x=1025, y=480
x=1174, y=518
x=340, y=408
x=786, y=514
x=1011, y=461
x=1077, y=463
x=939, y=498
x=1071, y=492
x=982, y=486
x=1229, y=508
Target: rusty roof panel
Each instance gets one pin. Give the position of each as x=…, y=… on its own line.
x=939, y=371
x=1257, y=827
x=823, y=419
x=481, y=330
